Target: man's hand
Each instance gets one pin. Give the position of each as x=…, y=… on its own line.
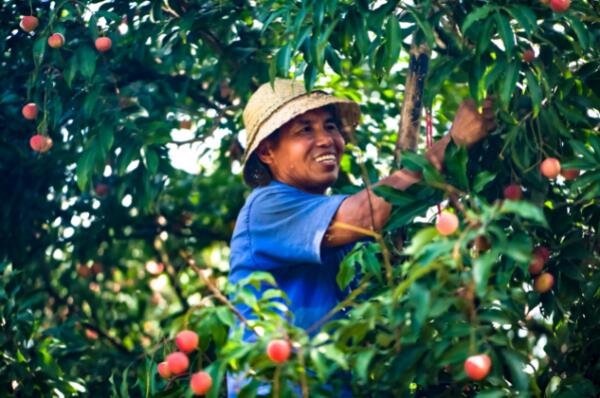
x=470, y=126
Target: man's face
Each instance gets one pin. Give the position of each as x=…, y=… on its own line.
x=307, y=153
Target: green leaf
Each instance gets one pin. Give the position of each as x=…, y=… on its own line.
x=310, y=76
x=347, y=270
x=535, y=92
x=509, y=84
x=485, y=36
x=371, y=264
x=424, y=26
x=71, y=71
x=405, y=214
x=518, y=248
x=581, y=31
x=273, y=69
x=39, y=49
x=361, y=364
x=332, y=352
x=455, y=163
x=106, y=138
x=124, y=390
x=85, y=167
x=406, y=359
x=482, y=179
x=282, y=60
x=525, y=210
x=393, y=41
x=482, y=269
x=516, y=365
x=152, y=160
x=360, y=32
x=333, y=59
x=87, y=61
x=588, y=178
x=506, y=32
x=580, y=149
x=524, y=16
x=420, y=240
x=594, y=141
x=393, y=195
x=497, y=71
x=420, y=299
x=476, y=15
x=492, y=393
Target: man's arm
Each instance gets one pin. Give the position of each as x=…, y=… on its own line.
x=369, y=211
x=356, y=209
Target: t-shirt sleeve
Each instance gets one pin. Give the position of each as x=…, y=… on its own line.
x=287, y=226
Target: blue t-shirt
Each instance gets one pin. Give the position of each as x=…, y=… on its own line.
x=280, y=230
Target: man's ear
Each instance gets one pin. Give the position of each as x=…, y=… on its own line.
x=264, y=152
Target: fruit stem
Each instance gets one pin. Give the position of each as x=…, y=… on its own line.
x=303, y=382
x=276, y=382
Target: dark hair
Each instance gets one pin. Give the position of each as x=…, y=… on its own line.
x=257, y=174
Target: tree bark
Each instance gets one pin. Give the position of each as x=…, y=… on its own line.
x=410, y=116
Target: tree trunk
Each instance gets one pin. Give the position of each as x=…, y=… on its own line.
x=410, y=117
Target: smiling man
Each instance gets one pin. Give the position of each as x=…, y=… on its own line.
x=286, y=227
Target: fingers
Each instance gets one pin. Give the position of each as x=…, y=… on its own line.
x=490, y=126
x=469, y=103
x=488, y=114
x=489, y=102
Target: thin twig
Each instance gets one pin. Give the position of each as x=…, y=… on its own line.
x=347, y=301
x=434, y=265
x=117, y=344
x=384, y=250
x=276, y=382
x=354, y=228
x=215, y=290
x=164, y=258
x=303, y=381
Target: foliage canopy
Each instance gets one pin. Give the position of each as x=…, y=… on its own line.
x=98, y=232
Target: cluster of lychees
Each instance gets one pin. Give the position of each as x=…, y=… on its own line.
x=177, y=363
x=40, y=142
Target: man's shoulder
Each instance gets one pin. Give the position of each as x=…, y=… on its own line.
x=274, y=192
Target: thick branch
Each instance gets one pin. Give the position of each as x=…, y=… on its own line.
x=410, y=117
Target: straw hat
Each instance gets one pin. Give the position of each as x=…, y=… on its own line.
x=272, y=106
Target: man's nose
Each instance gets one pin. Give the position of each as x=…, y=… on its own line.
x=323, y=137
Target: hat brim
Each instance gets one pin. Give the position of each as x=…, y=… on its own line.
x=348, y=113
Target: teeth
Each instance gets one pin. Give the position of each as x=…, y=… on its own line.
x=325, y=158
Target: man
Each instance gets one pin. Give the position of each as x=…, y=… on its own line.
x=295, y=141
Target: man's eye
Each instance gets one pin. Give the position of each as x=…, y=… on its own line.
x=331, y=126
